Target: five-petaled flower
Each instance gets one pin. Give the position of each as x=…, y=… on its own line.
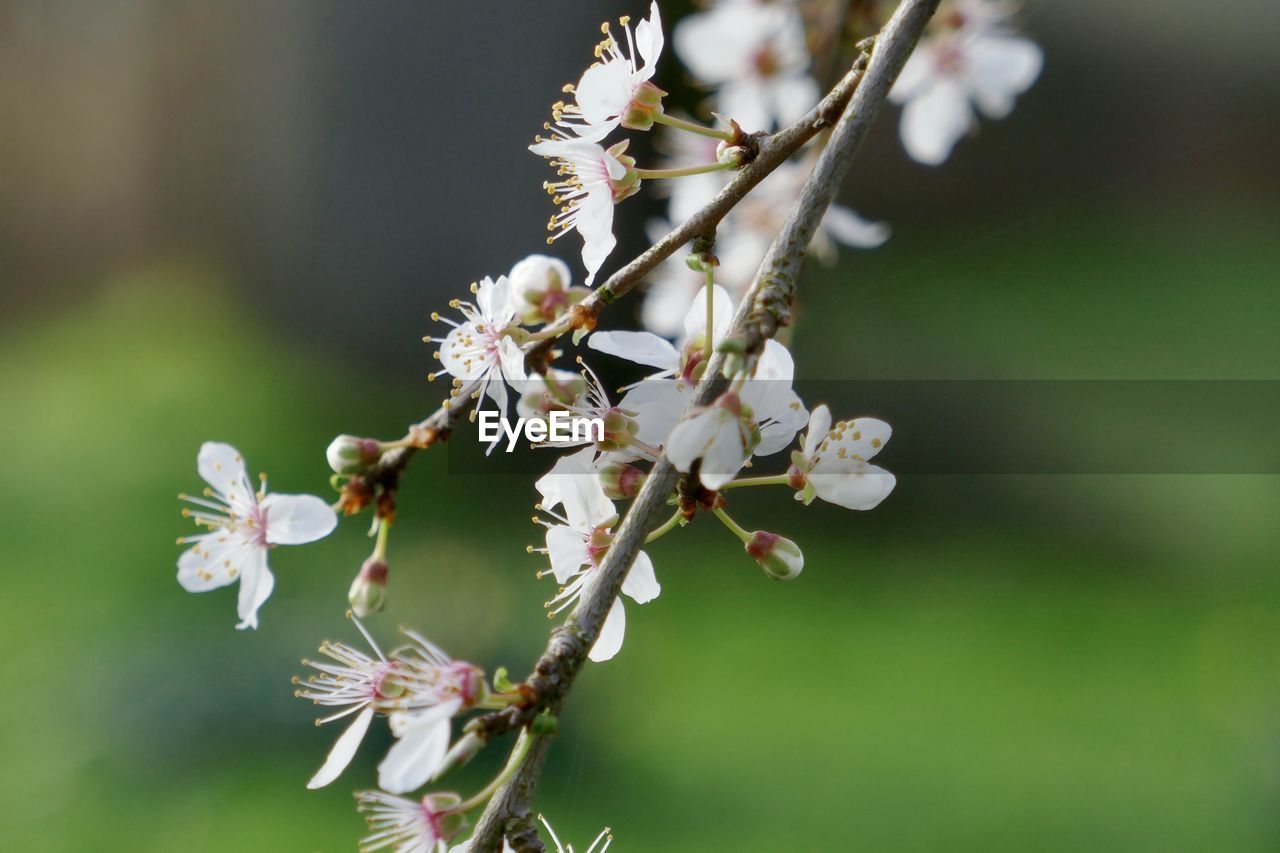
x=418, y=686
x=484, y=349
x=592, y=180
x=833, y=464
x=243, y=525
x=973, y=60
x=755, y=53
x=616, y=91
x=578, y=542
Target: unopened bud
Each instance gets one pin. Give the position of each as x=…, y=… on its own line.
x=369, y=590
x=629, y=184
x=349, y=454
x=731, y=155
x=621, y=481
x=780, y=558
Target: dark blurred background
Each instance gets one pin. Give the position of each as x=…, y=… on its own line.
x=232, y=220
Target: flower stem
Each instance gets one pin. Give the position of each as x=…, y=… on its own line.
x=711, y=301
x=744, y=535
x=653, y=174
x=667, y=526
x=692, y=127
x=380, y=546
x=513, y=764
x=774, y=480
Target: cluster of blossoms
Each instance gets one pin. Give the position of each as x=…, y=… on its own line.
x=498, y=352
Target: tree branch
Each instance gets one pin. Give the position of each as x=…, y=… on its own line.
x=766, y=307
x=383, y=477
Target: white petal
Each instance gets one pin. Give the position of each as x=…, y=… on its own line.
x=640, y=347
x=695, y=322
x=256, y=583
x=585, y=503
x=609, y=642
x=819, y=426
x=998, y=69
x=746, y=102
x=216, y=559
x=932, y=123
x=567, y=549
x=854, y=485
x=511, y=362
x=343, y=750
x=768, y=391
x=916, y=75
x=297, y=519
x=690, y=438
x=604, y=91
x=860, y=438
x=538, y=273
x=851, y=229
x=641, y=583
x=222, y=466
x=791, y=96
x=779, y=432
x=649, y=38
x=419, y=752
x=725, y=455
x=658, y=405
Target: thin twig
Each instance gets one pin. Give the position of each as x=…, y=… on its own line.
x=765, y=307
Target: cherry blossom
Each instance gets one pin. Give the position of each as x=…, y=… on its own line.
x=755, y=52
x=593, y=180
x=484, y=349
x=418, y=682
x=616, y=91
x=578, y=541
x=974, y=61
x=243, y=526
x=833, y=462
x=410, y=826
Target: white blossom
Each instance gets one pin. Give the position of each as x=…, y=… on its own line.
x=759, y=420
x=755, y=52
x=410, y=826
x=579, y=540
x=418, y=682
x=541, y=288
x=592, y=180
x=243, y=525
x=610, y=91
x=681, y=361
x=975, y=61
x=833, y=462
x=484, y=348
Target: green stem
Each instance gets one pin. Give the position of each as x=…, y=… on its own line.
x=774, y=480
x=653, y=174
x=744, y=535
x=667, y=526
x=513, y=764
x=711, y=301
x=380, y=546
x=702, y=130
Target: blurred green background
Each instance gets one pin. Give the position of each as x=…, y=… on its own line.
x=1013, y=662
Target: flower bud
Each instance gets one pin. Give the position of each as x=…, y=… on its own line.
x=369, y=590
x=621, y=481
x=731, y=155
x=629, y=184
x=780, y=558
x=349, y=454
x=442, y=812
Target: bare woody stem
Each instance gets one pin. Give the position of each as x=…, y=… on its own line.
x=765, y=307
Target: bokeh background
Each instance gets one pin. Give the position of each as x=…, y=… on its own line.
x=230, y=220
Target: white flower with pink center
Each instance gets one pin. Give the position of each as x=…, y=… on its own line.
x=484, y=349
x=417, y=682
x=592, y=180
x=578, y=541
x=410, y=826
x=243, y=526
x=833, y=462
x=972, y=61
x=616, y=91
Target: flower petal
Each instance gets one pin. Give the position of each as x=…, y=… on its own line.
x=998, y=69
x=419, y=752
x=641, y=583
x=933, y=122
x=850, y=229
x=215, y=560
x=641, y=347
x=222, y=467
x=343, y=750
x=819, y=426
x=609, y=643
x=256, y=583
x=297, y=519
x=567, y=550
x=852, y=484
